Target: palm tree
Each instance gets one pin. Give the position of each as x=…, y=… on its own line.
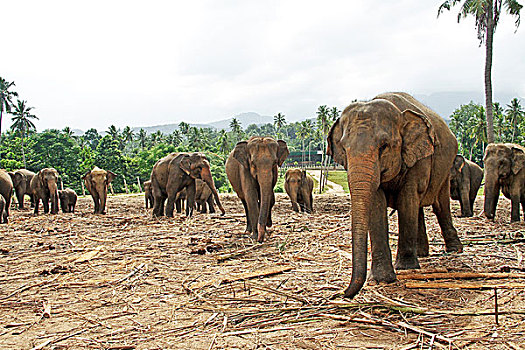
x=5, y=98
x=142, y=138
x=487, y=14
x=279, y=120
x=303, y=132
x=224, y=143
x=114, y=132
x=127, y=135
x=323, y=124
x=22, y=122
x=67, y=131
x=236, y=129
x=515, y=115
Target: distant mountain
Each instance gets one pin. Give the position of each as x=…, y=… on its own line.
x=166, y=128
x=245, y=119
x=445, y=103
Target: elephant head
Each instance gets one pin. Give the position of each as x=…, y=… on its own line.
x=197, y=166
x=501, y=162
x=375, y=142
x=97, y=182
x=48, y=178
x=456, y=171
x=262, y=156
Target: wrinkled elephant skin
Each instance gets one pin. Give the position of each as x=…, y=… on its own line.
x=44, y=186
x=97, y=182
x=505, y=171
x=465, y=180
x=252, y=169
x=398, y=153
x=299, y=186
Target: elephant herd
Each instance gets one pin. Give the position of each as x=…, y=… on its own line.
x=396, y=151
x=43, y=186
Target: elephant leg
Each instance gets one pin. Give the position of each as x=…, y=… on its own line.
x=515, y=208
x=253, y=213
x=210, y=204
x=20, y=198
x=190, y=199
x=204, y=209
x=170, y=204
x=248, y=224
x=269, y=222
x=442, y=210
x=45, y=203
x=382, y=269
x=37, y=203
x=408, y=213
x=466, y=211
x=523, y=208
x=422, y=238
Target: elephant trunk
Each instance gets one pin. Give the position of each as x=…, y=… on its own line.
x=293, y=197
x=53, y=196
x=102, y=190
x=206, y=177
x=363, y=180
x=266, y=196
x=491, y=192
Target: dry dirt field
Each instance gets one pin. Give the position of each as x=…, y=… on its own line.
x=125, y=281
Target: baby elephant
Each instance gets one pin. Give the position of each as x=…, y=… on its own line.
x=299, y=186
x=465, y=180
x=68, y=200
x=3, y=212
x=148, y=195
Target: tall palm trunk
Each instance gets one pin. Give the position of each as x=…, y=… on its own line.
x=488, y=69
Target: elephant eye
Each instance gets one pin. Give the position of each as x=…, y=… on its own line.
x=382, y=148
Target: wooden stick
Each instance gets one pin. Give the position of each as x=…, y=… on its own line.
x=459, y=275
x=243, y=276
x=225, y=257
x=461, y=285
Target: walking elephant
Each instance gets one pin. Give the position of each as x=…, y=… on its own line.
x=21, y=182
x=178, y=171
x=68, y=200
x=204, y=197
x=6, y=192
x=398, y=153
x=465, y=180
x=252, y=169
x=97, y=182
x=505, y=170
x=148, y=195
x=299, y=187
x=44, y=186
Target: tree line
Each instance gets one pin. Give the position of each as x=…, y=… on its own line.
x=131, y=154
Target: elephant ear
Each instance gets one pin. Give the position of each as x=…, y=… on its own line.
x=459, y=162
x=185, y=164
x=111, y=176
x=41, y=175
x=87, y=180
x=418, y=136
x=240, y=152
x=17, y=178
x=282, y=152
x=518, y=159
x=335, y=149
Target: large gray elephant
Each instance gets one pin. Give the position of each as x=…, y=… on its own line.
x=252, y=169
x=6, y=191
x=465, y=180
x=97, y=182
x=44, y=186
x=397, y=153
x=505, y=171
x=299, y=187
x=177, y=171
x=21, y=182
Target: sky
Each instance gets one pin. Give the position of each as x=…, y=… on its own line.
x=91, y=64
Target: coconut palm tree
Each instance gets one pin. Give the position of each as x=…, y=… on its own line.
x=236, y=130
x=142, y=138
x=303, y=132
x=486, y=14
x=6, y=98
x=515, y=115
x=279, y=120
x=67, y=131
x=113, y=132
x=22, y=122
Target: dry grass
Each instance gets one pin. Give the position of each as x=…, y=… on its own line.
x=125, y=281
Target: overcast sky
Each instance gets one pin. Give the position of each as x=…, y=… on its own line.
x=140, y=63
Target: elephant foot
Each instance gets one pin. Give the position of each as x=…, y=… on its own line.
x=384, y=274
x=407, y=263
x=422, y=252
x=453, y=246
x=512, y=220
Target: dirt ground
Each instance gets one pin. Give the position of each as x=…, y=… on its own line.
x=126, y=281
